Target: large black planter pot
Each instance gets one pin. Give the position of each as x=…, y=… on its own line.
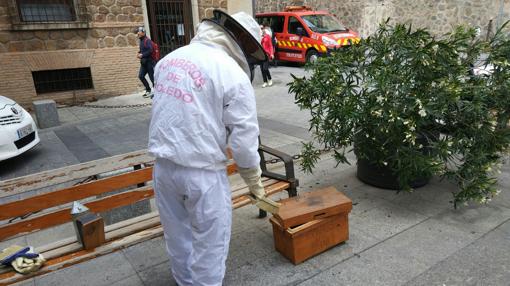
x=382, y=177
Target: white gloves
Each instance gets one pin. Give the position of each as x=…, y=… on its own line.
x=252, y=178
x=22, y=259
x=25, y=265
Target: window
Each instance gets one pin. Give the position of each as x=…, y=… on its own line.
x=294, y=24
x=323, y=24
x=275, y=22
x=62, y=80
x=46, y=10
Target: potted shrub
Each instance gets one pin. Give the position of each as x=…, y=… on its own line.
x=409, y=107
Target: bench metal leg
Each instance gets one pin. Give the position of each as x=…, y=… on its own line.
x=292, y=190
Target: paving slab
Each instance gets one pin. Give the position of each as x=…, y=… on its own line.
x=504, y=185
x=103, y=270
x=248, y=246
x=475, y=219
x=385, y=219
x=272, y=269
x=133, y=280
x=505, y=227
x=158, y=275
x=414, y=251
x=355, y=271
x=484, y=262
x=144, y=255
x=358, y=242
x=80, y=144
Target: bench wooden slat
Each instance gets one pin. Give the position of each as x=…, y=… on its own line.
x=120, y=235
x=67, y=195
x=64, y=215
x=69, y=246
x=130, y=221
x=113, y=231
x=84, y=255
x=243, y=191
x=70, y=173
x=273, y=189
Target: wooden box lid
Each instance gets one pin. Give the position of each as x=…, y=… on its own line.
x=311, y=206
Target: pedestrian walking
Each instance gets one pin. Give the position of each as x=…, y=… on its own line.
x=268, y=49
x=146, y=61
x=203, y=100
x=272, y=35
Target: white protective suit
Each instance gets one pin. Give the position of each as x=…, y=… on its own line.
x=203, y=94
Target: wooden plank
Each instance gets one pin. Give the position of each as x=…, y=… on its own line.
x=130, y=229
x=74, y=246
x=70, y=173
x=69, y=245
x=244, y=191
x=273, y=189
x=130, y=221
x=299, y=228
x=113, y=231
x=83, y=255
x=61, y=251
x=64, y=215
x=310, y=206
x=67, y=195
x=56, y=244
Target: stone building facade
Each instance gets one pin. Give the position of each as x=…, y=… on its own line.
x=80, y=50
x=440, y=16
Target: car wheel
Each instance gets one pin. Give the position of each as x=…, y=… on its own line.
x=312, y=56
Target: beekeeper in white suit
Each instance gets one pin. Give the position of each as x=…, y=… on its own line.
x=203, y=97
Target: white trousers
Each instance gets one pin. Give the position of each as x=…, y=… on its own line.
x=196, y=213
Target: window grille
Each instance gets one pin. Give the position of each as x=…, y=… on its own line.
x=46, y=10
x=62, y=80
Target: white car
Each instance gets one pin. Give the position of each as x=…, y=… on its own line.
x=18, y=132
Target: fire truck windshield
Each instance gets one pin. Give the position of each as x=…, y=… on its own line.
x=323, y=23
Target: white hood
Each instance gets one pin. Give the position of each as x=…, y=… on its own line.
x=211, y=33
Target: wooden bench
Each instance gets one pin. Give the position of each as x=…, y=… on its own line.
x=24, y=210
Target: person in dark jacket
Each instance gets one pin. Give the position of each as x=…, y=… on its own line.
x=146, y=62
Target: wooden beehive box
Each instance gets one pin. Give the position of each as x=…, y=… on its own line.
x=311, y=223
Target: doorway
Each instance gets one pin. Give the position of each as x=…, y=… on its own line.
x=171, y=23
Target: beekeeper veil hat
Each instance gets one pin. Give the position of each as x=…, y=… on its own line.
x=243, y=34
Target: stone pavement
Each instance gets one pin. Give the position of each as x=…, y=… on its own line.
x=395, y=239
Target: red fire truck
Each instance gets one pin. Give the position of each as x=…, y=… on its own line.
x=302, y=35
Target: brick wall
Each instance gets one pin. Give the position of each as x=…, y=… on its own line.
x=206, y=7
x=114, y=72
x=107, y=44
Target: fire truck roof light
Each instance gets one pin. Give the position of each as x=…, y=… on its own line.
x=297, y=8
